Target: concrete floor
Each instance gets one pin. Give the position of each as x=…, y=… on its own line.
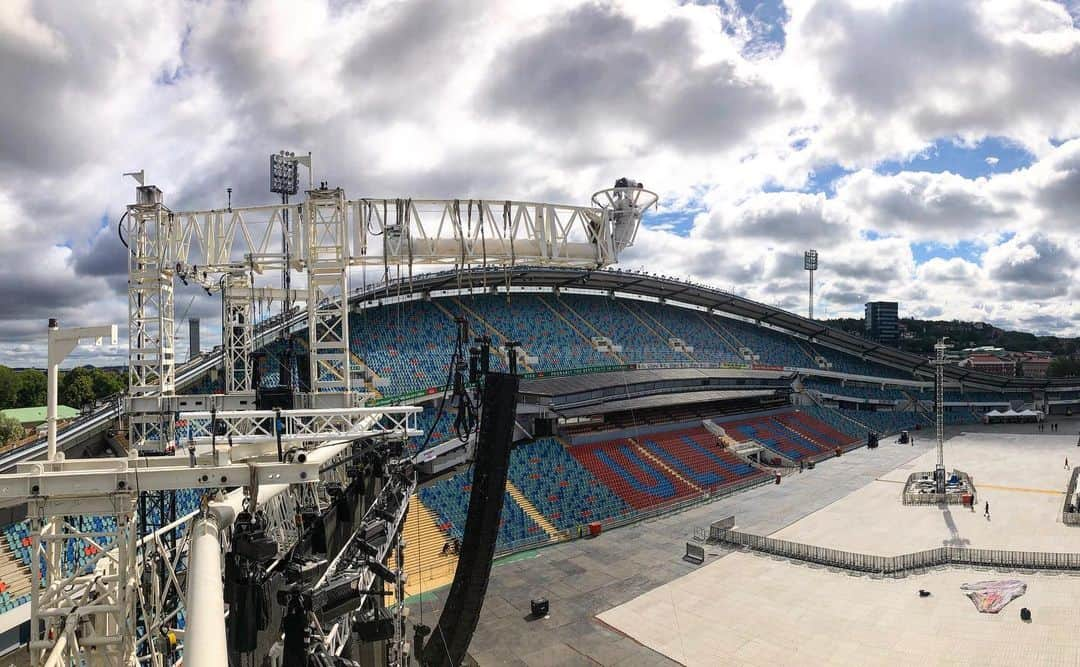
x=755, y=610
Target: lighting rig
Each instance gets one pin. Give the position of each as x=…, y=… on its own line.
x=303, y=491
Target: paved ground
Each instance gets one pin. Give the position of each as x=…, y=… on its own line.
x=586, y=577
x=754, y=609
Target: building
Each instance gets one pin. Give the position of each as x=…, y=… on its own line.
x=990, y=363
x=1034, y=364
x=882, y=322
x=32, y=417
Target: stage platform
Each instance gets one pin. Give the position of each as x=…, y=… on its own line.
x=751, y=609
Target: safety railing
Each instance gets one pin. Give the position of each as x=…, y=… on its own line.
x=1070, y=510
x=902, y=563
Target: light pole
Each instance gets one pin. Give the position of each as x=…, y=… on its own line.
x=939, y=414
x=810, y=264
x=61, y=343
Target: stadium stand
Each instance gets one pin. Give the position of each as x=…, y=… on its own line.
x=557, y=485
x=632, y=474
x=693, y=454
x=611, y=318
x=770, y=347
x=526, y=319
x=407, y=345
x=449, y=499
x=889, y=394
x=688, y=326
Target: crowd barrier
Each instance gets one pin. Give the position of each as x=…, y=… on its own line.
x=903, y=563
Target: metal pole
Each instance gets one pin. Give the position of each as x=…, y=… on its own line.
x=811, y=294
x=52, y=390
x=206, y=646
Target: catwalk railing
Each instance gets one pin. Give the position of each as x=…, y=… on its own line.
x=1070, y=511
x=902, y=563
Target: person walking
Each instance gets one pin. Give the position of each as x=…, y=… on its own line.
x=1066, y=462
x=986, y=512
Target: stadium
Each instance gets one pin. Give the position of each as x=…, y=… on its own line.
x=451, y=387
x=665, y=450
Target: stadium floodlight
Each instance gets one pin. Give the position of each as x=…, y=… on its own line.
x=810, y=264
x=284, y=173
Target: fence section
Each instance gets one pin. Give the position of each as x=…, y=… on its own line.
x=857, y=562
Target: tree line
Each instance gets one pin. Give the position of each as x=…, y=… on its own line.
x=26, y=389
x=77, y=387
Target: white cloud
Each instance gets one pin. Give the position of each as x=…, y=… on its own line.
x=552, y=101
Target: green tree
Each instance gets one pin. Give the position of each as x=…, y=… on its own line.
x=106, y=383
x=10, y=429
x=9, y=388
x=1062, y=367
x=77, y=387
x=32, y=387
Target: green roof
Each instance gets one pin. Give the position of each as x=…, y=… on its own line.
x=26, y=415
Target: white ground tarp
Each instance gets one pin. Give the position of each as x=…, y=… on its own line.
x=990, y=597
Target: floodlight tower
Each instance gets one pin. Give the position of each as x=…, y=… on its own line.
x=810, y=264
x=285, y=181
x=939, y=414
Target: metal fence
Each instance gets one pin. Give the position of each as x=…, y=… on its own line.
x=1070, y=510
x=910, y=498
x=903, y=563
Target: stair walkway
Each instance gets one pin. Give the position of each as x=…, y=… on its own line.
x=368, y=385
x=13, y=572
x=531, y=510
x=589, y=324
x=426, y=567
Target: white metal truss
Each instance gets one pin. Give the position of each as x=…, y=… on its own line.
x=418, y=231
x=87, y=616
x=100, y=626
x=295, y=427
x=151, y=335
x=328, y=290
x=150, y=295
x=238, y=331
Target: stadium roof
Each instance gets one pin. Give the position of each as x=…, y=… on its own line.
x=698, y=295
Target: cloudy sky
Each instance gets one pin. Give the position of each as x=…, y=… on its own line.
x=929, y=149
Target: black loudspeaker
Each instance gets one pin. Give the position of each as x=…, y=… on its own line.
x=543, y=428
x=539, y=607
x=303, y=372
x=872, y=440
x=257, y=361
x=450, y=639
x=381, y=629
x=269, y=398
x=1025, y=614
